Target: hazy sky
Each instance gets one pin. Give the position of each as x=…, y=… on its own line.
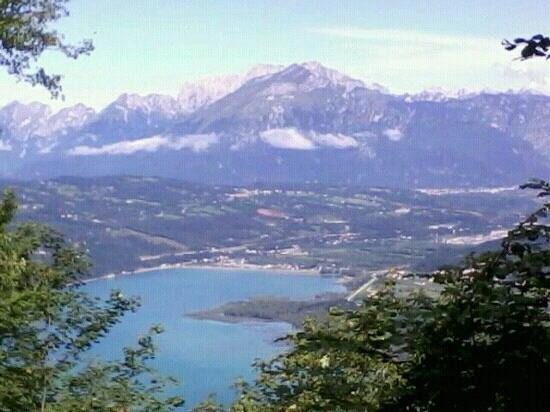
x=147, y=46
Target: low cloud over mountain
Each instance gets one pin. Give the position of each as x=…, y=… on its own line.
x=303, y=122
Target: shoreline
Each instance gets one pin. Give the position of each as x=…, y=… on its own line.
x=272, y=309
x=278, y=269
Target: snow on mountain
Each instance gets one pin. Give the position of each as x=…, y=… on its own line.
x=302, y=122
x=322, y=76
x=73, y=117
x=149, y=105
x=153, y=112
x=307, y=96
x=22, y=121
x=32, y=127
x=309, y=76
x=131, y=117
x=194, y=95
x=19, y=121
x=437, y=94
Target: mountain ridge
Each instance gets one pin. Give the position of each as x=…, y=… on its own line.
x=302, y=122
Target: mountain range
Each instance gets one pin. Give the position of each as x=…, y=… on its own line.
x=300, y=123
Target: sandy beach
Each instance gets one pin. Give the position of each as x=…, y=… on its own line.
x=278, y=269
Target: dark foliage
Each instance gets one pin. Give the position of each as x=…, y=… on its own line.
x=536, y=46
x=47, y=325
x=482, y=344
x=25, y=34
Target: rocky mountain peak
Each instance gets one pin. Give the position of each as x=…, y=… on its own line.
x=195, y=95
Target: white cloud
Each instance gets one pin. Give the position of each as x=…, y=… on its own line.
x=526, y=74
x=406, y=38
x=4, y=146
x=409, y=61
x=338, y=141
x=195, y=143
x=291, y=138
x=393, y=134
x=477, y=239
x=288, y=138
x=149, y=144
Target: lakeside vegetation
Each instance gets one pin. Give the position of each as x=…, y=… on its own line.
x=434, y=352
x=47, y=324
x=482, y=342
x=273, y=309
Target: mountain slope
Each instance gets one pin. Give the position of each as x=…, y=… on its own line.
x=299, y=123
x=194, y=95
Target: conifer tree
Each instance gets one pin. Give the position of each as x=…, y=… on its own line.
x=47, y=324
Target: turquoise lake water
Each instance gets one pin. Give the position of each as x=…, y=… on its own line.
x=206, y=356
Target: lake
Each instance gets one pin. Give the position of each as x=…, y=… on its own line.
x=206, y=356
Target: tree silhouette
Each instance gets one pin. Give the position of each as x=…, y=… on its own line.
x=25, y=34
x=536, y=46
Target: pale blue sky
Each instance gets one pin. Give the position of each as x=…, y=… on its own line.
x=147, y=46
